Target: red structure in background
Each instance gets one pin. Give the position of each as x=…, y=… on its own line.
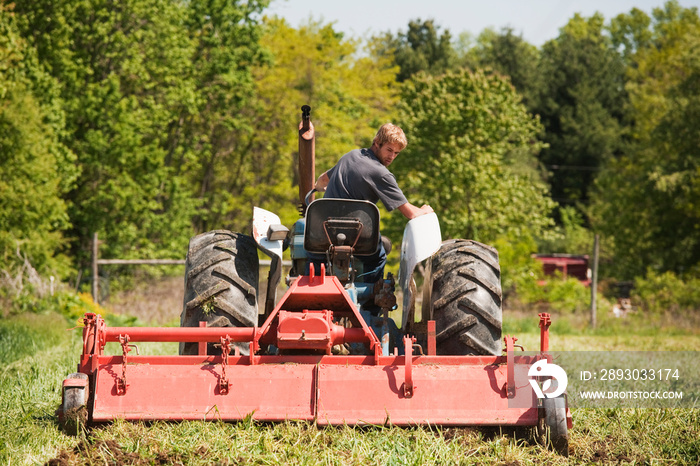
x=569, y=265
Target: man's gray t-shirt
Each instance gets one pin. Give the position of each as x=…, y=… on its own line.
x=360, y=175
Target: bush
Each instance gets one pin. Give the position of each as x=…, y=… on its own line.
x=568, y=295
x=666, y=293
x=570, y=237
x=520, y=273
x=524, y=283
x=24, y=291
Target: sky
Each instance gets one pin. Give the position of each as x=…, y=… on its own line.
x=537, y=20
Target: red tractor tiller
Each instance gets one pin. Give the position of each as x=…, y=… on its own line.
x=327, y=351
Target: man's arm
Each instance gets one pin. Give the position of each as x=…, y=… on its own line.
x=322, y=182
x=410, y=211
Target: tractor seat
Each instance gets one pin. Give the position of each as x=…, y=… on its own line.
x=342, y=222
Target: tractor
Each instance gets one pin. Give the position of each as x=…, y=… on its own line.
x=328, y=350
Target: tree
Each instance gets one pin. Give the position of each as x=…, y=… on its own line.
x=211, y=134
x=153, y=92
x=646, y=200
x=420, y=48
x=466, y=132
x=35, y=167
x=581, y=104
x=510, y=55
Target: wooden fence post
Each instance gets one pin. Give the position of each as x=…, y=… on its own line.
x=95, y=271
x=594, y=282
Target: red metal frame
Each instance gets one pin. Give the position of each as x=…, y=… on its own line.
x=321, y=387
x=545, y=322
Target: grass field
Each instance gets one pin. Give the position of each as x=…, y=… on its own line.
x=36, y=353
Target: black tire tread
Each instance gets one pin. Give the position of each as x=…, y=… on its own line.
x=221, y=280
x=466, y=298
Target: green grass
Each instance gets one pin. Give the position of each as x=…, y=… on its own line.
x=36, y=353
x=637, y=333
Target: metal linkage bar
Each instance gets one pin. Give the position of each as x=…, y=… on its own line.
x=178, y=334
x=545, y=322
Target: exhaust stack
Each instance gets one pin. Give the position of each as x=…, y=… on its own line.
x=307, y=154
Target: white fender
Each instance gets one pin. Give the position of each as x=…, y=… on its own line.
x=262, y=220
x=421, y=239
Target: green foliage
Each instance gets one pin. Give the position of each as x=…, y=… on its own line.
x=520, y=272
x=35, y=167
x=663, y=293
x=581, y=105
x=647, y=201
x=567, y=295
x=420, y=48
x=72, y=306
x=211, y=136
x=123, y=70
x=570, y=236
x=510, y=55
x=528, y=287
x=467, y=133
x=149, y=120
x=559, y=295
x=524, y=284
x=153, y=91
x=24, y=292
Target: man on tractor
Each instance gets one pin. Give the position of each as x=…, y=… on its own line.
x=363, y=174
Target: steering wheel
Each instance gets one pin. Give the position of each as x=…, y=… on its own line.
x=307, y=199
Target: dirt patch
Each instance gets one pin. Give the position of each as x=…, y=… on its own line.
x=602, y=456
x=602, y=453
x=74, y=419
x=102, y=452
x=110, y=452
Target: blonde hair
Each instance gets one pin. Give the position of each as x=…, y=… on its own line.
x=390, y=133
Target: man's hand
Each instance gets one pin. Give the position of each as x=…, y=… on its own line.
x=410, y=211
x=426, y=209
x=322, y=182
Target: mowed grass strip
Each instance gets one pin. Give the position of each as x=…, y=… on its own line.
x=610, y=437
x=37, y=353
x=290, y=442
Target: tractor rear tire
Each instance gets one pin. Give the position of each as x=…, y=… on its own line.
x=221, y=284
x=465, y=298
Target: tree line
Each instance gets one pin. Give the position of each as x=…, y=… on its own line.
x=148, y=121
